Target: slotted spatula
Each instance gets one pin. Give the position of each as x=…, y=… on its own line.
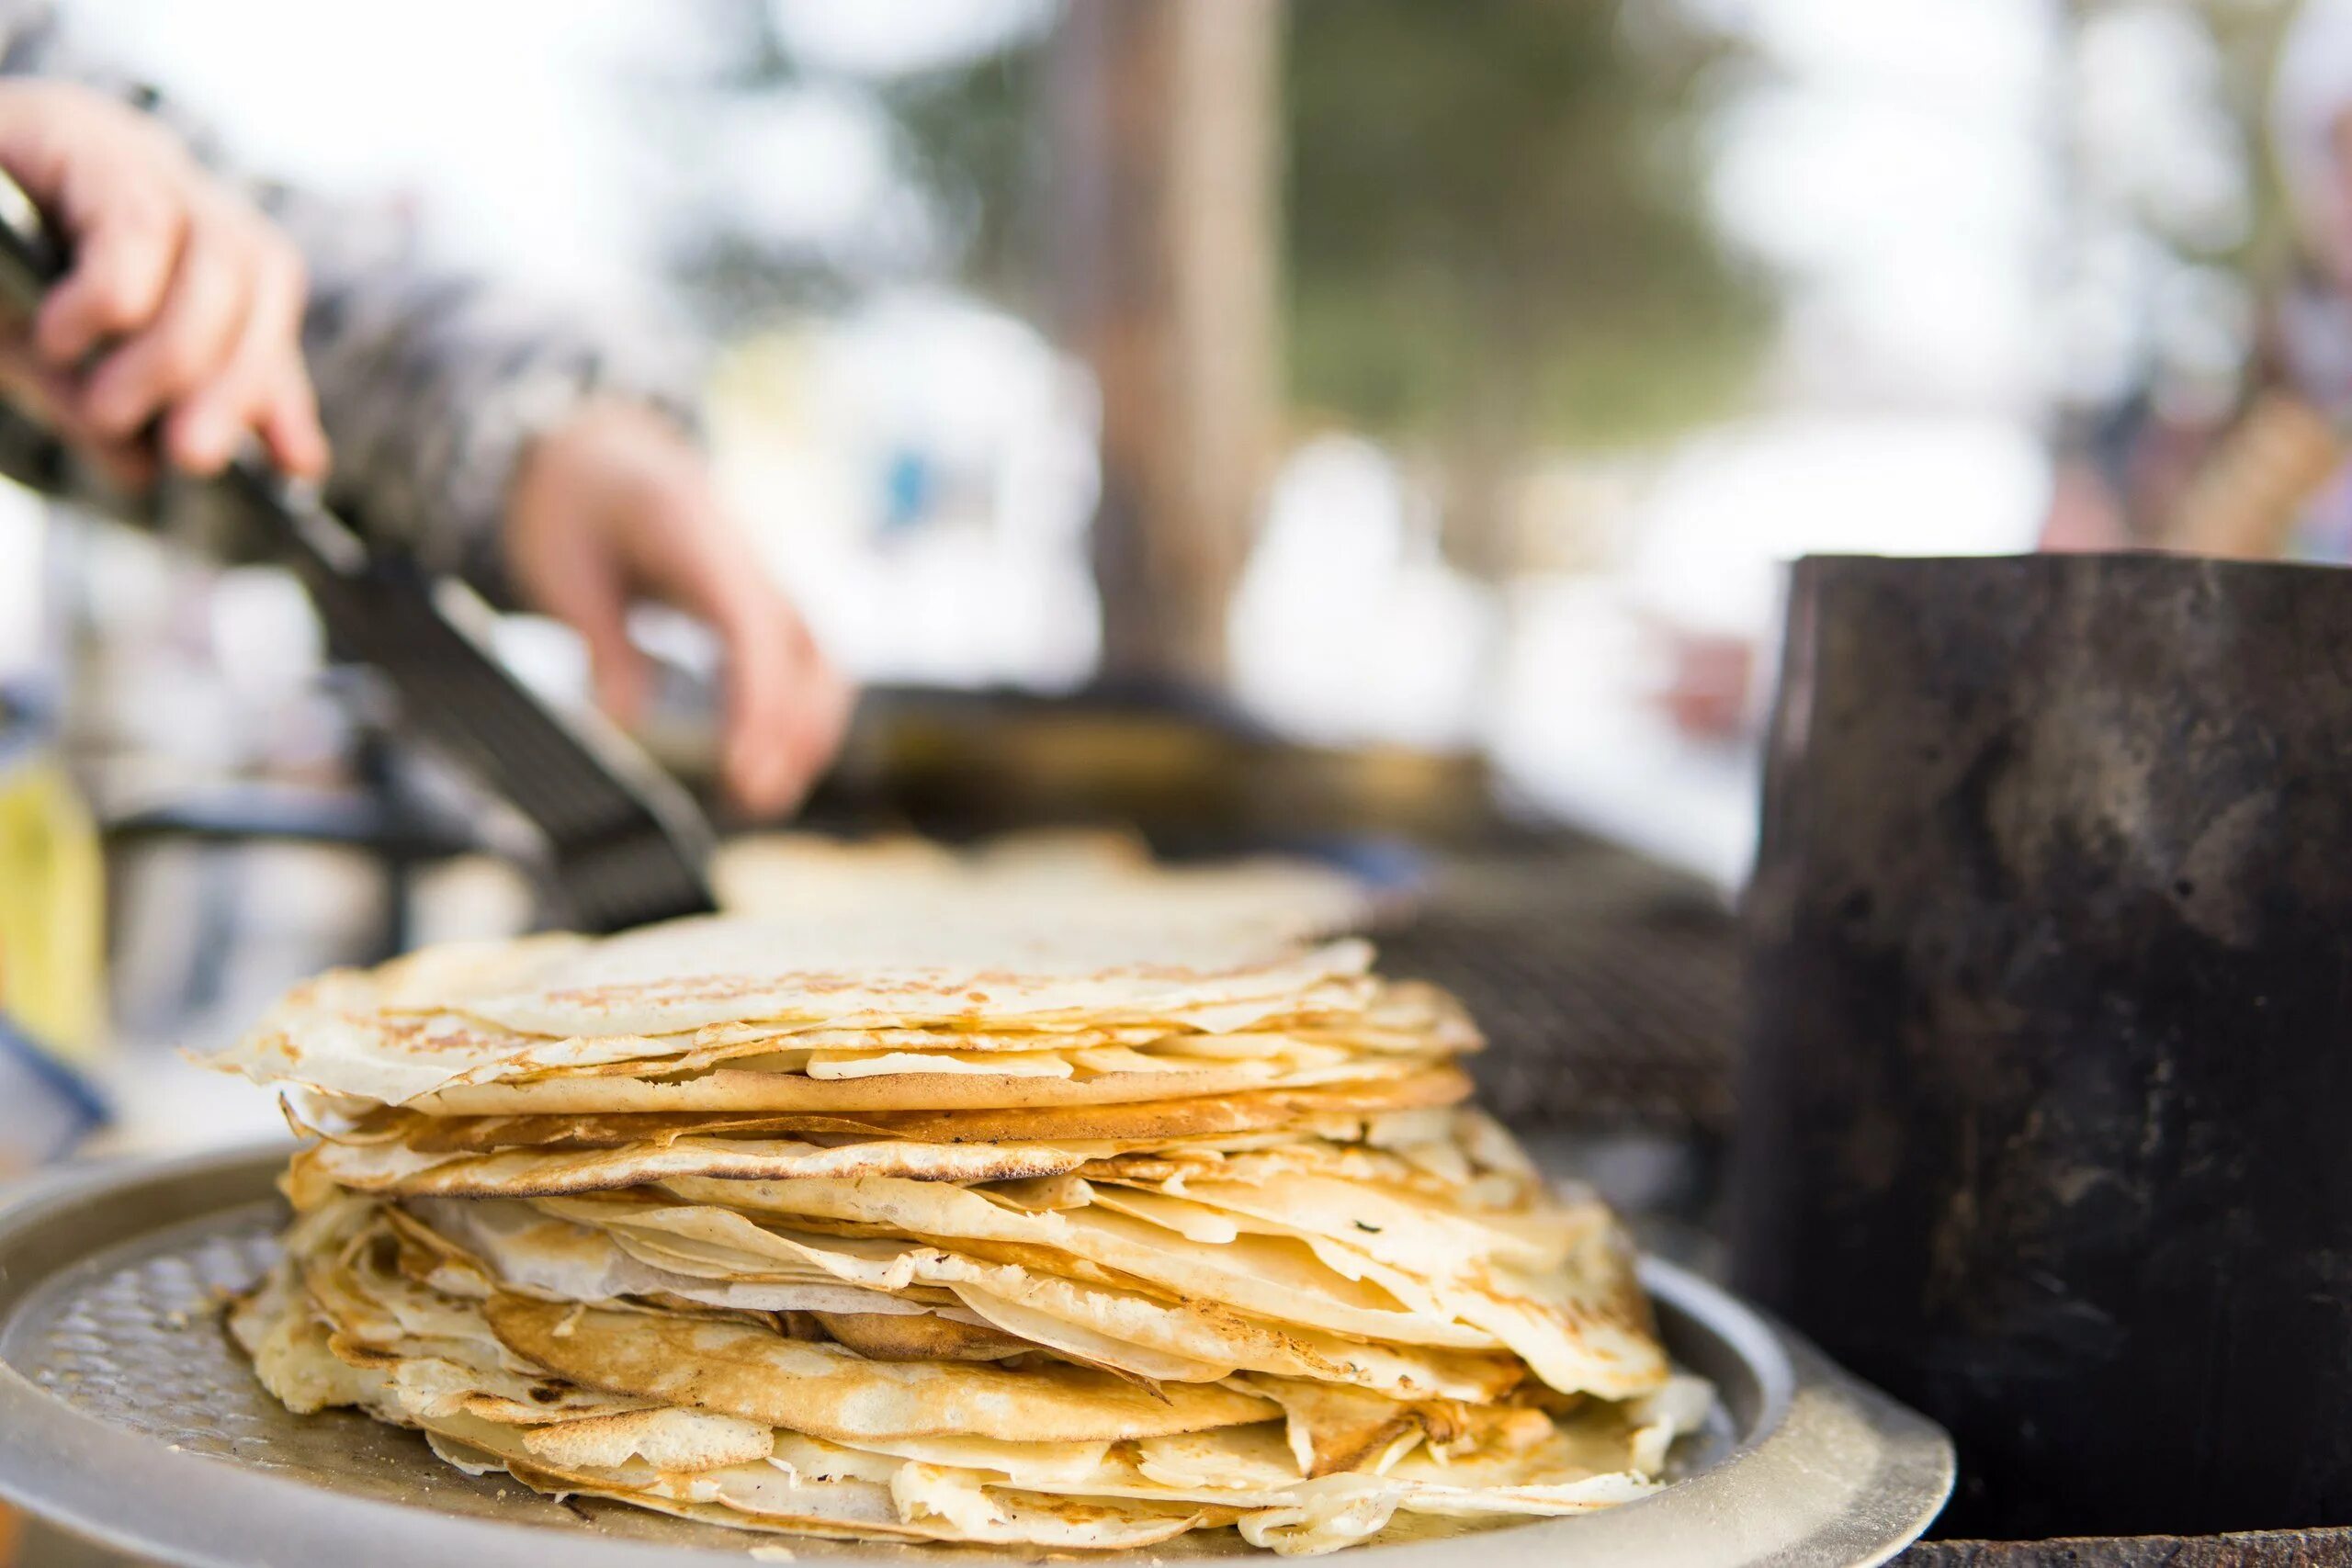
x=626, y=844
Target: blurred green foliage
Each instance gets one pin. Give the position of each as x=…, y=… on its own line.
x=1495, y=223
x=1494, y=230
x=974, y=137
x=2247, y=35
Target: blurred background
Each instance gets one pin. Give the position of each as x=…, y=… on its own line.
x=1434, y=388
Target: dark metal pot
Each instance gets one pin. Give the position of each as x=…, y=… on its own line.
x=2047, y=1095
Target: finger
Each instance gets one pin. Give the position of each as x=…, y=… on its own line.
x=203, y=429
x=123, y=262
x=583, y=588
x=685, y=552
x=616, y=666
x=291, y=428
x=756, y=684
x=129, y=468
x=203, y=311
x=29, y=385
x=812, y=731
x=49, y=398
x=786, y=707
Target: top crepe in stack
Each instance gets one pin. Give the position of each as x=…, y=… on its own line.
x=1041, y=871
x=944, y=1229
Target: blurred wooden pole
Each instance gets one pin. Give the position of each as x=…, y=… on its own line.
x=1166, y=132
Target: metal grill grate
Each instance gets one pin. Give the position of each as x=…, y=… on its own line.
x=1608, y=986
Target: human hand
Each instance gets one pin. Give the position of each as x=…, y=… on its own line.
x=617, y=504
x=189, y=299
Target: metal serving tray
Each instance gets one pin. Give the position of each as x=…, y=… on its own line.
x=126, y=1416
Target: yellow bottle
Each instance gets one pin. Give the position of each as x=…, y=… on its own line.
x=52, y=918
x=53, y=992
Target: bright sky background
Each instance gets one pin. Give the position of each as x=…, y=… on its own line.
x=1896, y=165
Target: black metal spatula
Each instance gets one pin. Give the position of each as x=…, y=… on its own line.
x=627, y=844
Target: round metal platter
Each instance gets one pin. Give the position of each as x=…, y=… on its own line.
x=126, y=1416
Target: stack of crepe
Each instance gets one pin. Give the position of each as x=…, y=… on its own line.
x=939, y=1229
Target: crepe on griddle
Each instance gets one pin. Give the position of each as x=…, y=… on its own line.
x=939, y=1230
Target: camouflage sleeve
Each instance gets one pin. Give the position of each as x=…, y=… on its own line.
x=431, y=381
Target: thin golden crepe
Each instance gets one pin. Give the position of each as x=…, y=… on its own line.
x=1063, y=1235
x=1338, y=1114
x=477, y=1014
x=527, y=1156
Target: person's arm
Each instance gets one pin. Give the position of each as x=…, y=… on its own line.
x=490, y=437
